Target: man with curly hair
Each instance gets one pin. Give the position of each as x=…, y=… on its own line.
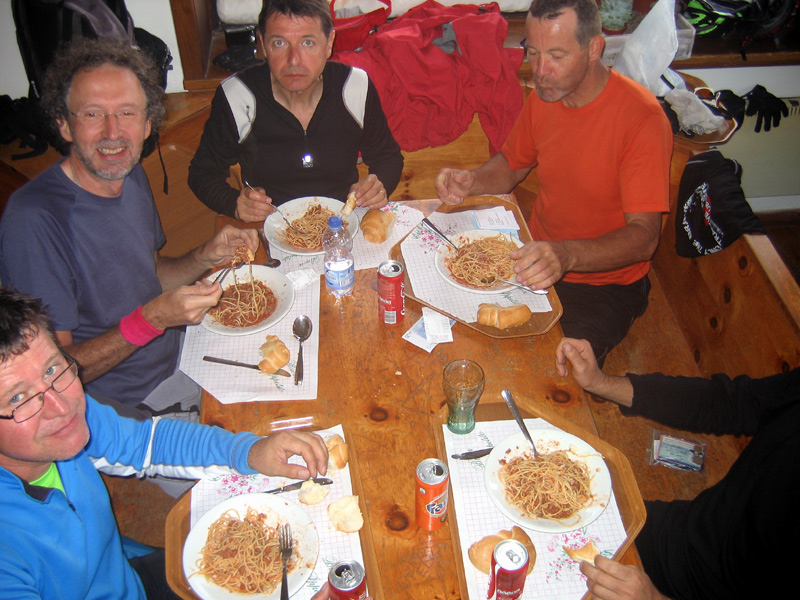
x=85, y=235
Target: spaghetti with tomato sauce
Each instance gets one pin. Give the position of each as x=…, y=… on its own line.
x=244, y=304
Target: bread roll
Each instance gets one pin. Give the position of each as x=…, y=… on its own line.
x=275, y=355
x=338, y=454
x=376, y=225
x=480, y=553
x=350, y=205
x=587, y=552
x=312, y=493
x=503, y=317
x=242, y=255
x=345, y=515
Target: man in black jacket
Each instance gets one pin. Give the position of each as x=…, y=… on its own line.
x=734, y=539
x=296, y=124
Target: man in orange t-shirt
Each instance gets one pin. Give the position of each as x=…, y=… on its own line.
x=601, y=145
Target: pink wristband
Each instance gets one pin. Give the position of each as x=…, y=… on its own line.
x=136, y=330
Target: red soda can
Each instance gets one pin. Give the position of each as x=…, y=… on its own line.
x=348, y=581
x=509, y=570
x=391, y=292
x=431, y=506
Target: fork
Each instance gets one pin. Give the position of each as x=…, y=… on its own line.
x=277, y=210
x=235, y=264
x=542, y=292
x=285, y=545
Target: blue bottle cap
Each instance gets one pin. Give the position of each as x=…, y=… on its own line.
x=335, y=222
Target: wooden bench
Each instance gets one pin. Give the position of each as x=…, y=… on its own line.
x=734, y=312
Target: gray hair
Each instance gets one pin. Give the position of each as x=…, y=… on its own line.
x=84, y=54
x=589, y=23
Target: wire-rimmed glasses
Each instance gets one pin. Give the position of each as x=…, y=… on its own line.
x=31, y=406
x=96, y=118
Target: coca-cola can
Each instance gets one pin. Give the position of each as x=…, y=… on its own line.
x=509, y=570
x=391, y=292
x=431, y=506
x=348, y=581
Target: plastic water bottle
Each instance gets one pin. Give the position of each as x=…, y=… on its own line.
x=339, y=267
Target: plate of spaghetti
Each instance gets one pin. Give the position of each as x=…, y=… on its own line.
x=566, y=487
x=233, y=549
x=482, y=258
x=309, y=215
x=254, y=298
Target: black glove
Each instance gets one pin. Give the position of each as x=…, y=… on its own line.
x=769, y=108
x=733, y=106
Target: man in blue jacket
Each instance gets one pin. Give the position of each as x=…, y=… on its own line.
x=59, y=537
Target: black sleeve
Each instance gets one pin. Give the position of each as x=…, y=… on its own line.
x=218, y=150
x=379, y=150
x=719, y=405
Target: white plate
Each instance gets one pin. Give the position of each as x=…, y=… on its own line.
x=549, y=440
x=274, y=225
x=278, y=510
x=445, y=251
x=280, y=285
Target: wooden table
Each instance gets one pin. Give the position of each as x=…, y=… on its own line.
x=388, y=395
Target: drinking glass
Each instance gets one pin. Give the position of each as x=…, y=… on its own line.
x=462, y=381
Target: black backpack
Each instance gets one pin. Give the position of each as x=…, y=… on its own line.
x=712, y=212
x=43, y=26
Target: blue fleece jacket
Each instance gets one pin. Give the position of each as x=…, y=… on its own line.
x=58, y=547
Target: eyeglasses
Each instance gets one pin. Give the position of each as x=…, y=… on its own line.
x=31, y=407
x=97, y=117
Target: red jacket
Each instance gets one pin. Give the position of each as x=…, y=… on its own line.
x=430, y=96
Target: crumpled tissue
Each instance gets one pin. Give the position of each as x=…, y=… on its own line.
x=694, y=116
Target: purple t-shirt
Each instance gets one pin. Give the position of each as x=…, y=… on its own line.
x=91, y=259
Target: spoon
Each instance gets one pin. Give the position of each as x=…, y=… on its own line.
x=301, y=329
x=277, y=210
x=512, y=406
x=270, y=262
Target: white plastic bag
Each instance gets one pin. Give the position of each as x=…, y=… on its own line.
x=651, y=48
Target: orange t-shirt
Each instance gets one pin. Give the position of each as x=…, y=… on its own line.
x=594, y=164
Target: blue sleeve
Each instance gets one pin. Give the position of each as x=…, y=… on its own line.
x=143, y=187
x=168, y=447
x=36, y=259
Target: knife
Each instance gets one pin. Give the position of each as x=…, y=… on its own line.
x=436, y=230
x=236, y=363
x=472, y=454
x=298, y=484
